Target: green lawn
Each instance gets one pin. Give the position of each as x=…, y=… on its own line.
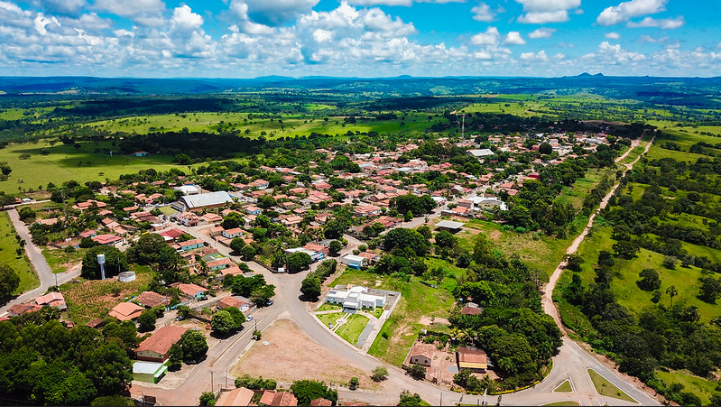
x=402, y=327
x=330, y=307
x=606, y=388
x=351, y=330
x=699, y=386
x=565, y=387
x=328, y=319
x=9, y=256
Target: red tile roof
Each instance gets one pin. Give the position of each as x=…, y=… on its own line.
x=161, y=341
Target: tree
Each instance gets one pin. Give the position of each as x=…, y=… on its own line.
x=248, y=252
x=626, y=249
x=545, y=148
x=672, y=292
x=175, y=357
x=237, y=244
x=353, y=383
x=207, y=399
x=416, y=371
x=233, y=220
x=402, y=238
x=110, y=369
x=26, y=213
x=147, y=320
x=223, y=323
x=444, y=238
x=308, y=390
x=408, y=399
x=334, y=229
x=380, y=373
x=298, y=261
x=574, y=262
x=184, y=311
x=670, y=262
x=408, y=216
x=182, y=159
x=649, y=280
x=115, y=262
x=194, y=345
x=238, y=316
x=152, y=248
x=310, y=287
x=9, y=281
x=710, y=289
x=335, y=247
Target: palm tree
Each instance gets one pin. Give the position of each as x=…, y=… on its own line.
x=672, y=292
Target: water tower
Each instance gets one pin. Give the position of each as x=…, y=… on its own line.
x=101, y=262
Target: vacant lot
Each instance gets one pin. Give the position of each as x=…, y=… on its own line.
x=292, y=356
x=9, y=256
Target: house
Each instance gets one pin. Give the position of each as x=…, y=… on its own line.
x=149, y=372
x=55, y=300
x=157, y=347
x=189, y=219
x=355, y=297
x=366, y=210
x=20, y=309
x=172, y=234
x=87, y=234
x=314, y=255
x=253, y=210
x=321, y=402
x=236, y=302
x=126, y=311
x=450, y=226
x=353, y=261
x=318, y=248
x=190, y=290
x=470, y=310
x=472, y=359
x=278, y=398
x=107, y=240
x=236, y=397
x=196, y=203
x=211, y=218
x=261, y=184
x=421, y=354
x=151, y=299
x=191, y=244
x=220, y=264
x=323, y=217
x=232, y=233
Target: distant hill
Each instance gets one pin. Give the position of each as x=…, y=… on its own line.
x=588, y=75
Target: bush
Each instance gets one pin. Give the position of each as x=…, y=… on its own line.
x=308, y=390
x=379, y=373
x=255, y=383
x=207, y=399
x=418, y=372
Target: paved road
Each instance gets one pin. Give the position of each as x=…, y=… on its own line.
x=38, y=262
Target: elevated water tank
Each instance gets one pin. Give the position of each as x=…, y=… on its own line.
x=126, y=276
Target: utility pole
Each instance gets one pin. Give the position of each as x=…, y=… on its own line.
x=56, y=282
x=212, y=387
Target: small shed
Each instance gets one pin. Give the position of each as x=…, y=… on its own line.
x=353, y=261
x=449, y=225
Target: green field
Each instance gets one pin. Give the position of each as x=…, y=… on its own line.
x=331, y=318
x=351, y=330
x=606, y=388
x=402, y=327
x=565, y=387
x=330, y=307
x=9, y=257
x=699, y=386
x=60, y=260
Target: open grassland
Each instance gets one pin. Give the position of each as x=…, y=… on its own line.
x=90, y=299
x=351, y=330
x=65, y=163
x=576, y=193
x=9, y=256
x=606, y=388
x=699, y=386
x=402, y=327
x=61, y=261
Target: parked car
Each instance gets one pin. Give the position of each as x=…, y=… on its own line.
x=249, y=318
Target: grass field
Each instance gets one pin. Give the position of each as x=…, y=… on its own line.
x=565, y=387
x=699, y=386
x=402, y=327
x=606, y=388
x=60, y=260
x=66, y=163
x=330, y=307
x=9, y=256
x=329, y=319
x=351, y=330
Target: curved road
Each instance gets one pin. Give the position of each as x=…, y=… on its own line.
x=38, y=262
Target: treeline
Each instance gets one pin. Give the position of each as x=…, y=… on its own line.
x=119, y=107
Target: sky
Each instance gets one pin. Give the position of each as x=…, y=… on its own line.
x=359, y=38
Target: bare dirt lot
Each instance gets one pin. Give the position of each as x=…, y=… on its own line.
x=293, y=356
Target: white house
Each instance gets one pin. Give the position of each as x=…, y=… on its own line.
x=353, y=261
x=188, y=189
x=480, y=153
x=355, y=298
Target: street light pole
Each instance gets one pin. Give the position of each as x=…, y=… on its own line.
x=211, y=382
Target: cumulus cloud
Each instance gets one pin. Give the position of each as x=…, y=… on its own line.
x=664, y=23
x=63, y=7
x=542, y=33
x=547, y=11
x=271, y=13
x=608, y=54
x=184, y=18
x=491, y=37
x=630, y=9
x=612, y=35
x=41, y=22
x=145, y=12
x=483, y=12
x=514, y=38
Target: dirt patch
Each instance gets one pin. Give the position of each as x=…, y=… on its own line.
x=496, y=235
x=292, y=356
x=434, y=320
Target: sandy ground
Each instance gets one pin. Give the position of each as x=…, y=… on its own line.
x=292, y=356
x=431, y=321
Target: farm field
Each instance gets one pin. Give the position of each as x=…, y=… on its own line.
x=9, y=256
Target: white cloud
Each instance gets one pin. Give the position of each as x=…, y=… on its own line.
x=272, y=13
x=612, y=35
x=664, y=23
x=184, y=18
x=483, y=12
x=514, y=38
x=491, y=37
x=406, y=3
x=609, y=54
x=542, y=33
x=63, y=7
x=630, y=9
x=41, y=22
x=144, y=12
x=547, y=11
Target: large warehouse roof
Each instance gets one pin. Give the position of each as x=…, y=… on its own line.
x=203, y=200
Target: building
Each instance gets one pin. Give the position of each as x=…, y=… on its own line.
x=354, y=298
x=480, y=153
x=450, y=226
x=220, y=264
x=20, y=309
x=278, y=398
x=314, y=255
x=190, y=290
x=236, y=397
x=366, y=211
x=126, y=311
x=189, y=219
x=191, y=245
x=196, y=203
x=242, y=304
x=188, y=189
x=421, y=354
x=232, y=233
x=321, y=402
x=107, y=240
x=149, y=372
x=472, y=359
x=55, y=300
x=151, y=299
x=157, y=347
x=353, y=261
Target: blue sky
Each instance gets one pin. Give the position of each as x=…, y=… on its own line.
x=361, y=38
